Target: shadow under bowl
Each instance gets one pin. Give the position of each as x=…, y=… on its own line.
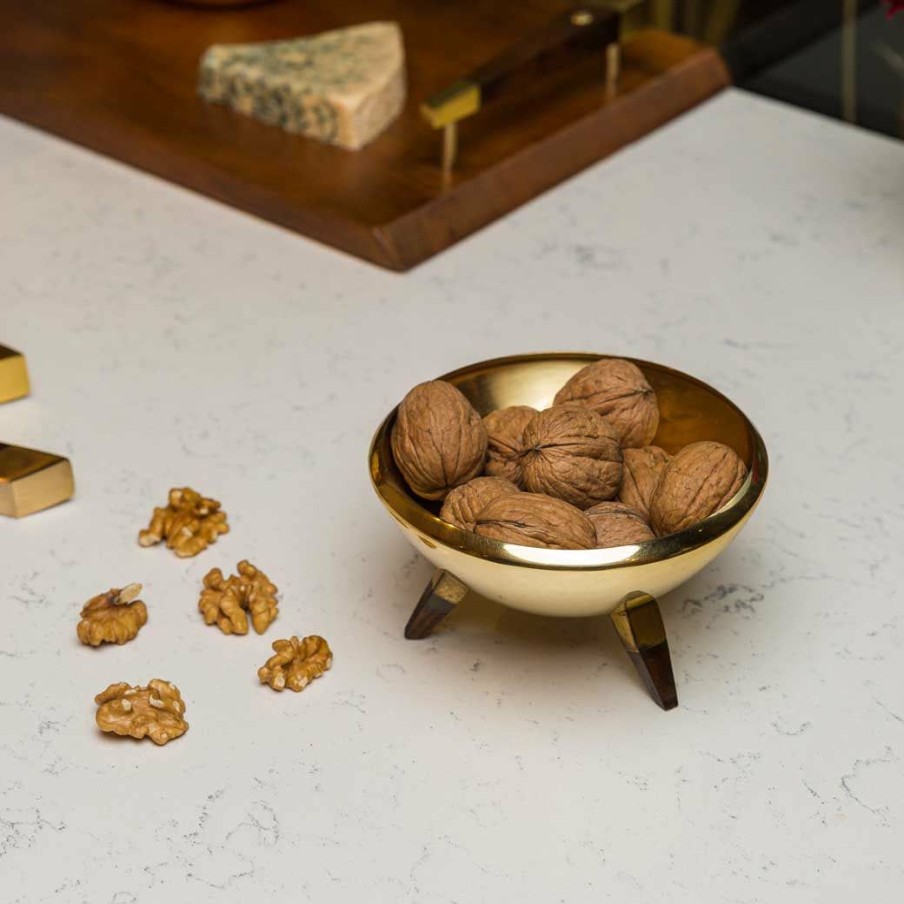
x=577, y=582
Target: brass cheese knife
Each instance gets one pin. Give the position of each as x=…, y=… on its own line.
x=588, y=28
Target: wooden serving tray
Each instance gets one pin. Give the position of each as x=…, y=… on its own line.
x=119, y=76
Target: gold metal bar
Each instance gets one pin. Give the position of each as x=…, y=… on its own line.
x=613, y=69
x=692, y=18
x=450, y=146
x=455, y=102
x=634, y=14
x=662, y=14
x=13, y=375
x=720, y=21
x=31, y=480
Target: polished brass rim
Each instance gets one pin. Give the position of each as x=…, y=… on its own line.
x=411, y=513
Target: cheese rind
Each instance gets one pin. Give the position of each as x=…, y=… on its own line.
x=342, y=87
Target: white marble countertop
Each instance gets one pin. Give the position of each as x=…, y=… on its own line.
x=510, y=758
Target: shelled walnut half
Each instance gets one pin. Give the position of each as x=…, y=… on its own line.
x=224, y=602
x=189, y=523
x=112, y=617
x=296, y=663
x=154, y=712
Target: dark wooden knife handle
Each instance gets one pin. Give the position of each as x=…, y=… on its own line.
x=581, y=29
x=584, y=29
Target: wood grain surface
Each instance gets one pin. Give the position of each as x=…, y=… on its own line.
x=119, y=76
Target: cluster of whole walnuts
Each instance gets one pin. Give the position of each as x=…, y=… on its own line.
x=582, y=474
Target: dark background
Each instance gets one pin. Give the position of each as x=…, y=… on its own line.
x=793, y=50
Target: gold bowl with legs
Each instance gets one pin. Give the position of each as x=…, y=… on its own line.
x=622, y=581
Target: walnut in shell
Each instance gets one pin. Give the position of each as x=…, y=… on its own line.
x=296, y=663
x=464, y=503
x=505, y=436
x=573, y=454
x=154, y=712
x=225, y=601
x=643, y=468
x=438, y=439
x=534, y=519
x=617, y=524
x=617, y=390
x=189, y=523
x=112, y=617
x=697, y=482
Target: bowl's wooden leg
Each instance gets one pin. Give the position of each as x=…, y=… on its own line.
x=639, y=624
x=440, y=597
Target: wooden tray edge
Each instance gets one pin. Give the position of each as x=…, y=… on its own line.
x=477, y=202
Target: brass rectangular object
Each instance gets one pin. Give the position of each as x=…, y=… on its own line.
x=456, y=102
x=31, y=480
x=13, y=375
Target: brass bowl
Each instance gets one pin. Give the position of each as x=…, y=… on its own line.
x=577, y=582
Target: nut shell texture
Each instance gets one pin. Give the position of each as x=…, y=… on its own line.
x=616, y=524
x=697, y=482
x=532, y=519
x=505, y=435
x=643, y=468
x=464, y=503
x=573, y=454
x=617, y=390
x=438, y=440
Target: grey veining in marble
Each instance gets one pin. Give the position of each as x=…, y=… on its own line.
x=172, y=341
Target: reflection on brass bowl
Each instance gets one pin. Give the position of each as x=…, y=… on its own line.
x=622, y=581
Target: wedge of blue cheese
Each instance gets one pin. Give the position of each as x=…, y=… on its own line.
x=343, y=87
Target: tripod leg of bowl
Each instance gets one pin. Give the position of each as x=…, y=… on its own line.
x=639, y=624
x=440, y=597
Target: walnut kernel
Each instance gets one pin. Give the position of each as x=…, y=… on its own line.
x=573, y=454
x=438, y=440
x=534, y=519
x=697, y=482
x=189, y=523
x=225, y=601
x=617, y=390
x=296, y=663
x=617, y=524
x=505, y=441
x=643, y=468
x=464, y=503
x=112, y=617
x=155, y=711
